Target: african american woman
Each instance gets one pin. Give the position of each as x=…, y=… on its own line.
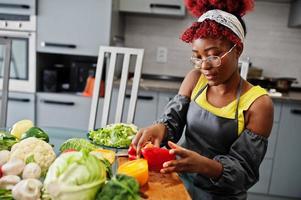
x=225, y=120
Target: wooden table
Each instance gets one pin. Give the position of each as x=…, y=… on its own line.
x=162, y=186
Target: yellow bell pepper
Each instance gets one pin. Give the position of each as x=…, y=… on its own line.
x=135, y=168
x=107, y=154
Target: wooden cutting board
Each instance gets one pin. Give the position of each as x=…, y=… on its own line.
x=162, y=186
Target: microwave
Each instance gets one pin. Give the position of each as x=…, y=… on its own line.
x=79, y=73
x=56, y=78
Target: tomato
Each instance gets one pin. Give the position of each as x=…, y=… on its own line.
x=156, y=156
x=1, y=173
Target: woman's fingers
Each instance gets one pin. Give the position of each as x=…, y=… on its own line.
x=137, y=138
x=172, y=145
x=168, y=170
x=157, y=143
x=178, y=150
x=139, y=141
x=143, y=139
x=174, y=166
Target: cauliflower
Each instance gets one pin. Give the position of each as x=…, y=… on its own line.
x=40, y=150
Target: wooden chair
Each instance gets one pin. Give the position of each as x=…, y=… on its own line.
x=110, y=55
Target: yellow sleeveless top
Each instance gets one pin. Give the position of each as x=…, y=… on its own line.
x=228, y=111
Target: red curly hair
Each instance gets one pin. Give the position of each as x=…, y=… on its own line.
x=210, y=28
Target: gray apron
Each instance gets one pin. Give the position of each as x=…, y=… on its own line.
x=209, y=135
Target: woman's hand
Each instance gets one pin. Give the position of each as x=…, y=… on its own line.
x=189, y=161
x=192, y=162
x=154, y=134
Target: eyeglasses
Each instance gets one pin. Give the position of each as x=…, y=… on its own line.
x=214, y=61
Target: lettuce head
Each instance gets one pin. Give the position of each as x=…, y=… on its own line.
x=75, y=175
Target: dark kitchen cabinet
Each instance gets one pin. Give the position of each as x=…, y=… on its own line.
x=77, y=27
x=286, y=176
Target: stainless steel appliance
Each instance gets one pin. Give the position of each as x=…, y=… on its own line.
x=56, y=78
x=18, y=23
x=79, y=73
x=6, y=45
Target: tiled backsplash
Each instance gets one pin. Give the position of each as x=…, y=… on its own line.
x=270, y=44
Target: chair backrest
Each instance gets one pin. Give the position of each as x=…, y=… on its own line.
x=111, y=54
x=7, y=44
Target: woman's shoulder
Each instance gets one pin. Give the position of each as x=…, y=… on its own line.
x=260, y=112
x=250, y=94
x=190, y=81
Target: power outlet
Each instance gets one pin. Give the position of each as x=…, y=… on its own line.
x=161, y=55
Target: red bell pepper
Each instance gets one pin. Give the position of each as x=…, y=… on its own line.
x=156, y=156
x=132, y=153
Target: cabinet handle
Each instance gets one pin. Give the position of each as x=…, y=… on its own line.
x=148, y=98
x=296, y=111
x=19, y=99
x=9, y=5
x=155, y=5
x=49, y=44
x=64, y=103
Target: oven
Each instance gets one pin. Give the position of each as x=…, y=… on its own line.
x=18, y=24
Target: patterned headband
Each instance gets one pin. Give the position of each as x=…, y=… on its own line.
x=226, y=19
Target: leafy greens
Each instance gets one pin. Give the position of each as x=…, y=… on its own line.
x=7, y=141
x=120, y=187
x=117, y=135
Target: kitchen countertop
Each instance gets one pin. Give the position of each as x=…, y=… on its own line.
x=162, y=86
x=173, y=86
x=290, y=96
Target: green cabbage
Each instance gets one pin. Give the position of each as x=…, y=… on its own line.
x=75, y=175
x=77, y=144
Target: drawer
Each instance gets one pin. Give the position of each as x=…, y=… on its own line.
x=20, y=106
x=63, y=110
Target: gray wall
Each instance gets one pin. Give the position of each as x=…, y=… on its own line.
x=270, y=44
